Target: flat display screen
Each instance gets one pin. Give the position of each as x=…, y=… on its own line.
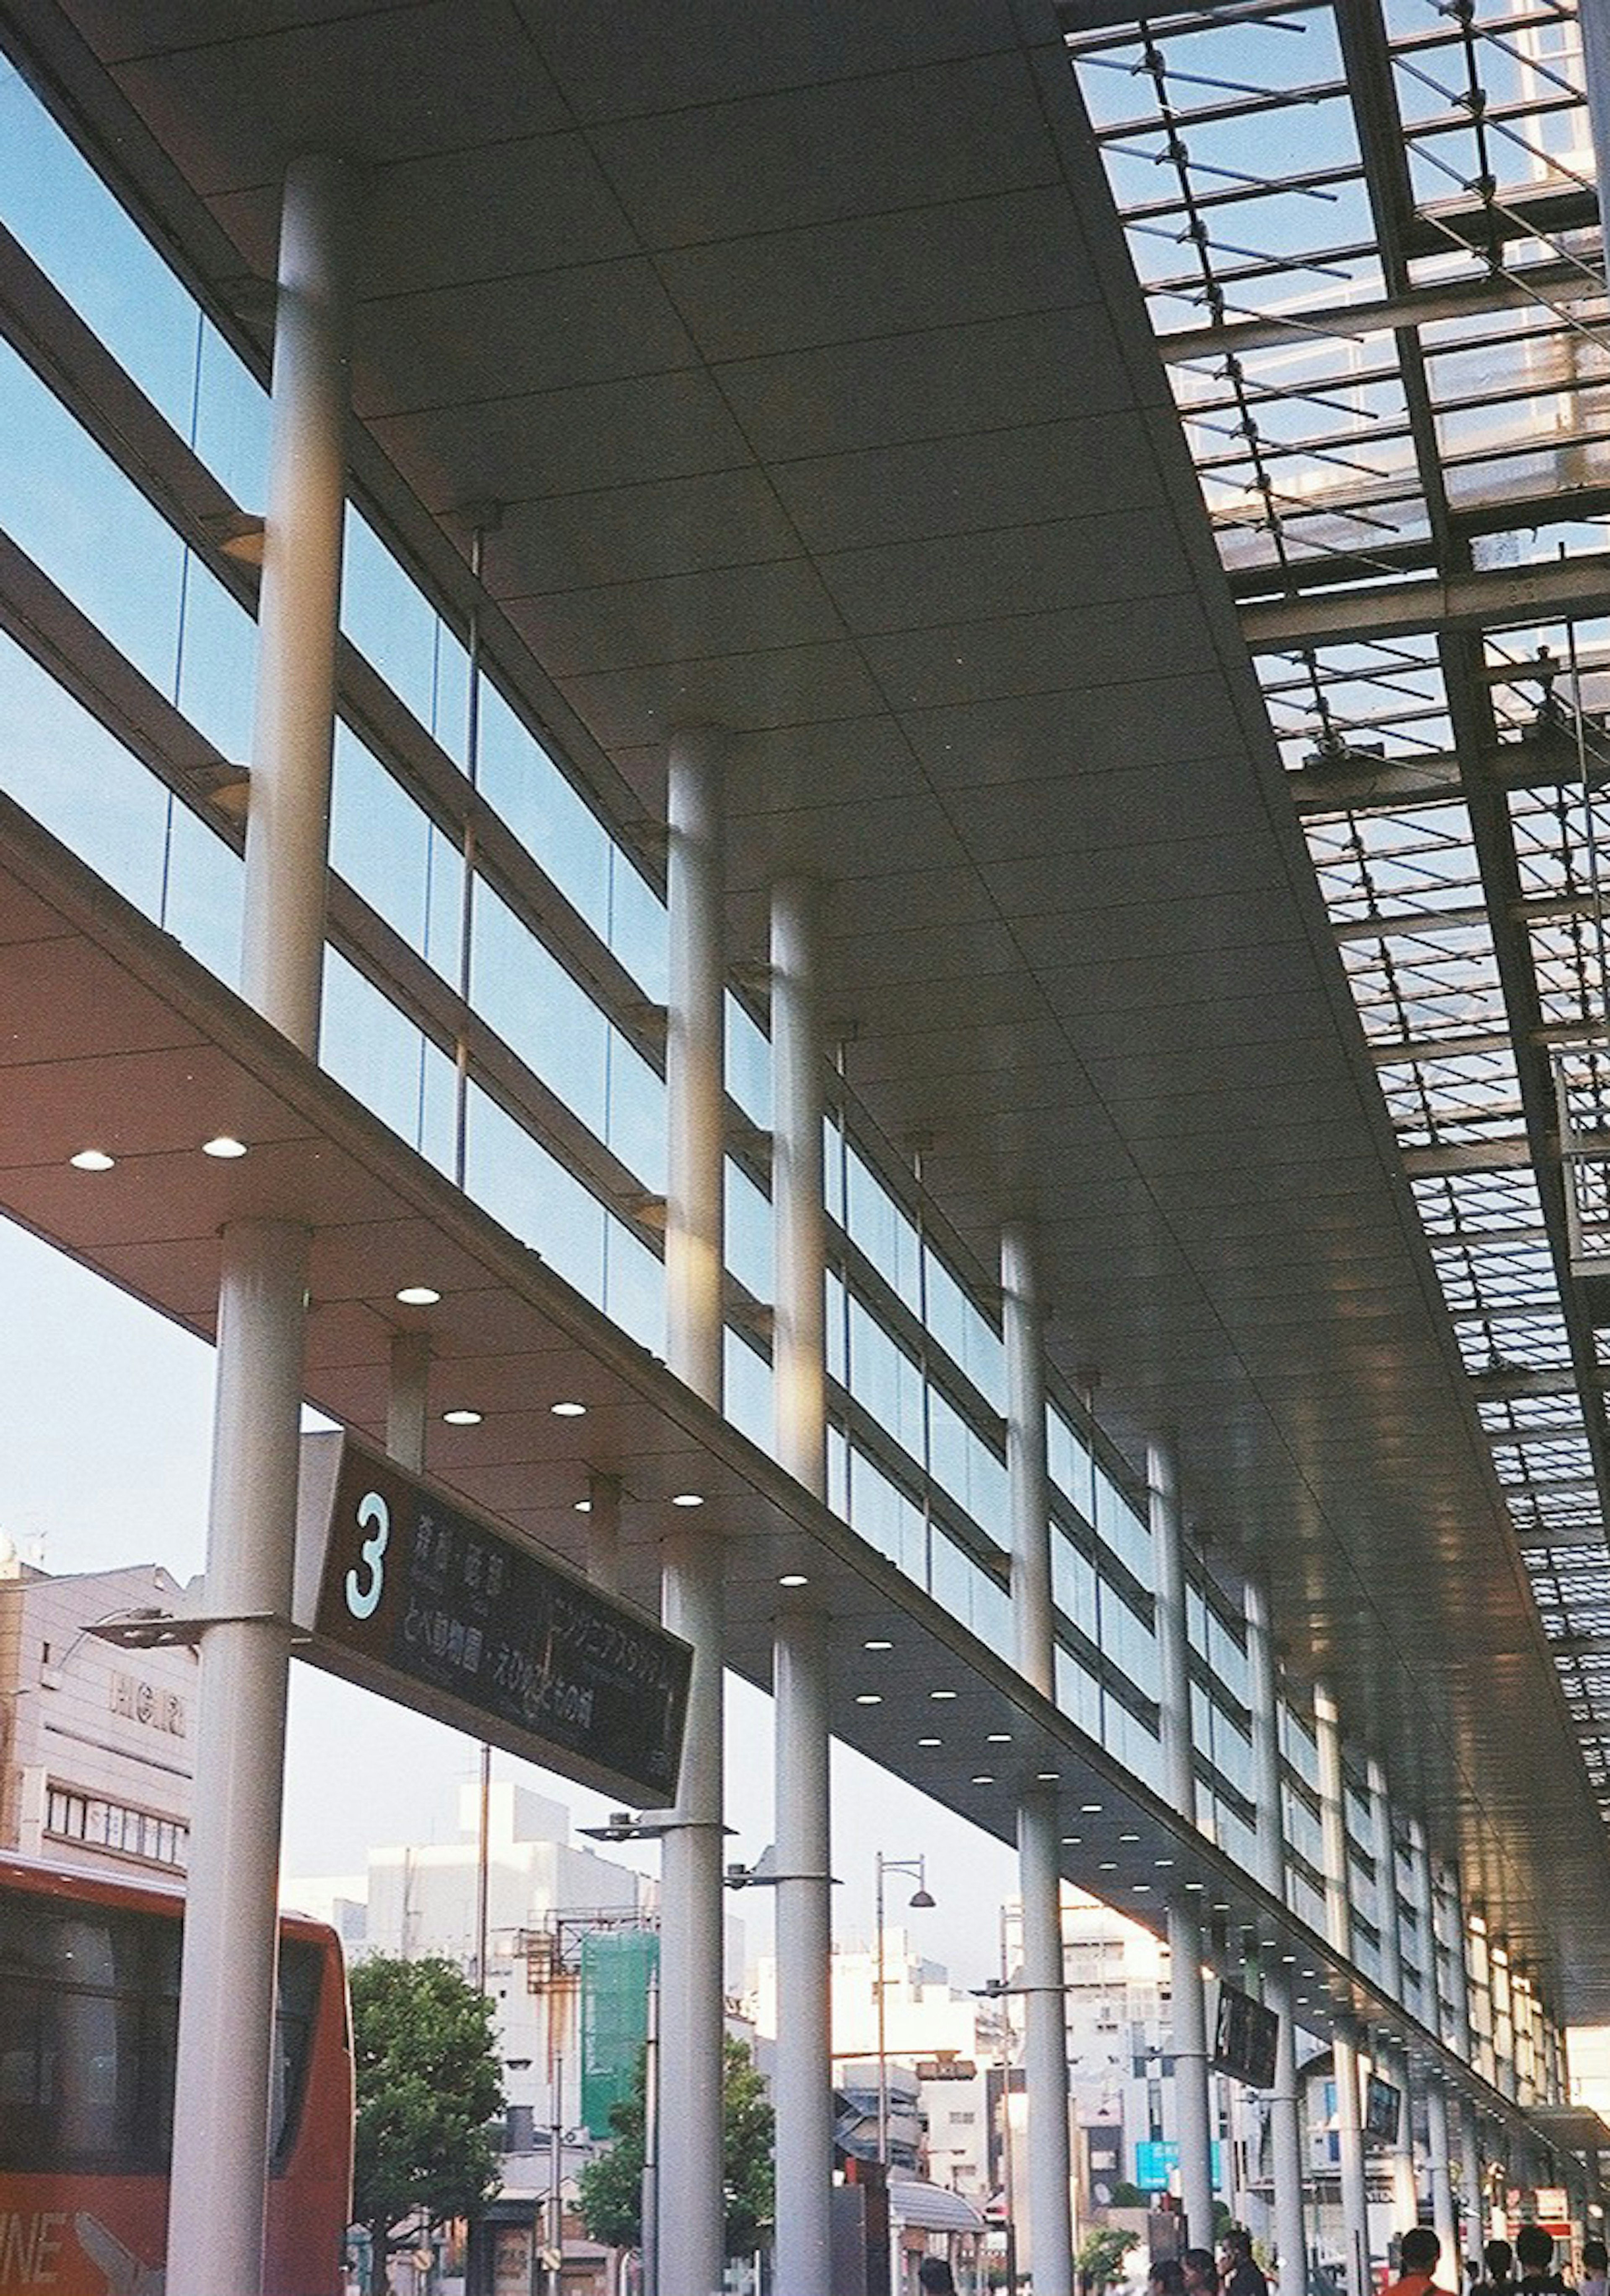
x=1244, y=2040
x=1383, y=2105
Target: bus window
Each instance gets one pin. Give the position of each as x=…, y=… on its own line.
x=89, y=2000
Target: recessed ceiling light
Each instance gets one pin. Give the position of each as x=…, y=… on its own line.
x=1220, y=1905
x=1108, y=1866
x=1047, y=1778
x=225, y=1146
x=1128, y=1837
x=930, y=1741
x=418, y=1295
x=1160, y=1861
x=1090, y=1808
x=999, y=1738
x=92, y=1160
x=876, y=1644
x=1072, y=1841
x=1290, y=1959
x=983, y=1779
x=461, y=1418
x=584, y=1506
x=944, y=1694
x=868, y=1698
x=567, y=1410
x=1141, y=1888
x=687, y=1498
x=789, y=1578
x=1195, y=1885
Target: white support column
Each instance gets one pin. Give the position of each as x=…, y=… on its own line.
x=1405, y=2182
x=226, y=1999
x=1472, y=2213
x=1045, y=2046
x=1426, y=1920
x=408, y=1399
x=226, y=2007
x=1193, y=2105
x=1044, y=2016
x=603, y=1532
x=1284, y=2104
x=690, y=2237
x=1443, y=2218
x=1458, y=1966
x=799, y=1224
x=1338, y=1924
x=802, y=2092
x=1028, y=1481
x=803, y=2087
x=1383, y=1851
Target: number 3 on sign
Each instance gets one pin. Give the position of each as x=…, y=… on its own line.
x=374, y=1516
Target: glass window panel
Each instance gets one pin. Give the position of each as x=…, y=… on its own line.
x=203, y=907
x=1122, y=1529
x=749, y=1234
x=386, y=1062
x=881, y=1229
x=638, y=928
x=218, y=664
x=634, y=1286
x=56, y=206
x=388, y=618
x=748, y=1064
x=1073, y=1583
x=537, y=1009
x=634, y=1118
x=391, y=851
x=63, y=767
x=747, y=1395
x=535, y=1197
x=522, y=781
x=231, y=422
x=1077, y=1693
x=68, y=506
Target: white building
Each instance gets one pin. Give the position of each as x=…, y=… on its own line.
x=938, y=2117
x=95, y=1741
x=543, y=1894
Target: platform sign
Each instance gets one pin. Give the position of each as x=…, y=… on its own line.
x=416, y=1596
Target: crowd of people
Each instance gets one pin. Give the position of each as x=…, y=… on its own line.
x=1527, y=2269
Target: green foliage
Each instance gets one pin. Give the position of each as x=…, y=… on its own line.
x=428, y=2083
x=1101, y=2251
x=611, y=2186
x=1130, y=2196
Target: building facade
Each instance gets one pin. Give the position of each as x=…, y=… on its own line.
x=96, y=1743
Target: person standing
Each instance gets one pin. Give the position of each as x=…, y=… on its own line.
x=1242, y=2274
x=1418, y=2251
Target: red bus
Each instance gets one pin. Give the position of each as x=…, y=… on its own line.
x=89, y=1998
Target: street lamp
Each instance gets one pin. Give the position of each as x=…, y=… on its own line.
x=920, y=1899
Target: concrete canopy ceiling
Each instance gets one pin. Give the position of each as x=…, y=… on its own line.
x=802, y=356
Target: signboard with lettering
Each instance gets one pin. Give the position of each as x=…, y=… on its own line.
x=414, y=1596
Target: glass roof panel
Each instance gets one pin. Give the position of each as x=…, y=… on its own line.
x=1452, y=779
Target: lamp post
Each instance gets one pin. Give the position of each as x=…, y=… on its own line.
x=921, y=1899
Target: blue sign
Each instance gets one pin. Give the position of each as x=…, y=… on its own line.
x=1157, y=2164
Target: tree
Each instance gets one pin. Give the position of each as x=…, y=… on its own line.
x=1101, y=2254
x=428, y=2084
x=611, y=2186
